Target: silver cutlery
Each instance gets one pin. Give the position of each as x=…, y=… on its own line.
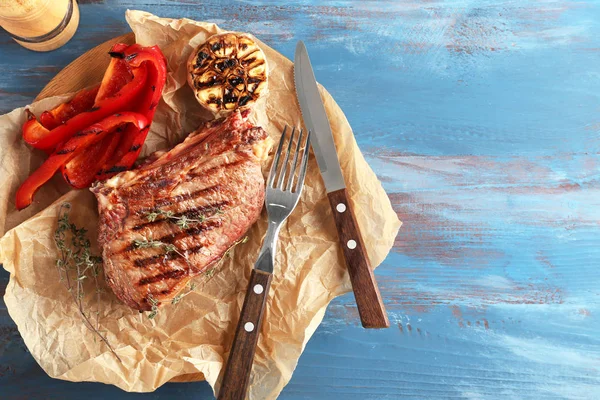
x=282, y=194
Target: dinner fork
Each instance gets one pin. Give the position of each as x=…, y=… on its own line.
x=281, y=198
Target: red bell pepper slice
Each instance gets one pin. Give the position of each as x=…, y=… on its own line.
x=68, y=150
x=39, y=137
x=82, y=101
x=80, y=171
x=131, y=145
x=117, y=75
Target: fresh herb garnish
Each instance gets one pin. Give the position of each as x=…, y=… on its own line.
x=177, y=299
x=147, y=244
x=154, y=306
x=182, y=221
x=152, y=215
x=75, y=264
x=241, y=241
x=153, y=244
x=209, y=273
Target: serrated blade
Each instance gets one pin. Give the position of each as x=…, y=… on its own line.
x=316, y=121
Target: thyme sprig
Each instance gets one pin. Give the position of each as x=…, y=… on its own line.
x=147, y=244
x=75, y=264
x=177, y=299
x=241, y=241
x=169, y=248
x=209, y=273
x=154, y=306
x=151, y=243
x=182, y=221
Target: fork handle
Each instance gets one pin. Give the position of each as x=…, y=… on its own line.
x=368, y=299
x=237, y=373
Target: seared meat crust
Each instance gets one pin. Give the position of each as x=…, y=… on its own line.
x=176, y=215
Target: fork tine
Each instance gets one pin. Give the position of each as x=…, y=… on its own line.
x=285, y=162
x=273, y=171
x=294, y=163
x=303, y=166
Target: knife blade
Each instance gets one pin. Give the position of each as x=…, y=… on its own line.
x=368, y=299
x=316, y=120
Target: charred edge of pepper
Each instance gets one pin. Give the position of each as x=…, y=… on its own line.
x=116, y=54
x=66, y=176
x=94, y=109
x=65, y=151
x=153, y=105
x=153, y=87
x=86, y=132
x=135, y=147
x=131, y=56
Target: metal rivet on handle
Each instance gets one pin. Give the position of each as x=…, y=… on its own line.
x=341, y=207
x=258, y=289
x=249, y=326
x=351, y=244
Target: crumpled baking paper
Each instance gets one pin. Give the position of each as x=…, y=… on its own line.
x=193, y=336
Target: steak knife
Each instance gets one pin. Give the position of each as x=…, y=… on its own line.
x=368, y=299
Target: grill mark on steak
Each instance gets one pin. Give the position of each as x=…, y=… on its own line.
x=200, y=228
x=179, y=198
x=169, y=239
x=145, y=262
x=198, y=211
x=226, y=166
x=206, y=226
x=162, y=183
x=213, y=170
x=190, y=213
x=169, y=274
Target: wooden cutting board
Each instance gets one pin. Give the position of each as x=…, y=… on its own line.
x=86, y=70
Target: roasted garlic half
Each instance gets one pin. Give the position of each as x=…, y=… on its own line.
x=227, y=72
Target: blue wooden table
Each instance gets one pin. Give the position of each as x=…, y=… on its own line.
x=482, y=120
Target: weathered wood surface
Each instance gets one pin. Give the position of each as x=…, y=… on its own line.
x=481, y=118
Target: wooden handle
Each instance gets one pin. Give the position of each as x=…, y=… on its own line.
x=368, y=299
x=237, y=373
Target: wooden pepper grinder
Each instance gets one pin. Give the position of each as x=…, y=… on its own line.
x=40, y=25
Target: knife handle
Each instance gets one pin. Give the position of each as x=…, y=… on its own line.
x=237, y=372
x=368, y=299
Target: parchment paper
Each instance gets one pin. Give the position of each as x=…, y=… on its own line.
x=194, y=335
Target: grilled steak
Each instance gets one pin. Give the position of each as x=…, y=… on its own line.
x=177, y=214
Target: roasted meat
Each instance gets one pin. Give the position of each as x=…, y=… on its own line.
x=177, y=214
